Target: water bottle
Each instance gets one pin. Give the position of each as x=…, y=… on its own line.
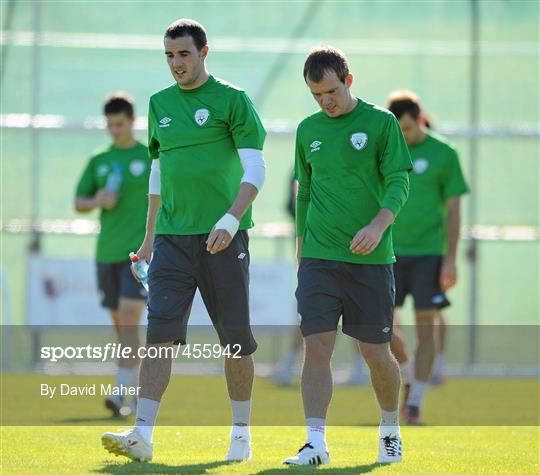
x=140, y=269
x=114, y=179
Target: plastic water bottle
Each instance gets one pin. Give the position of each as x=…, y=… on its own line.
x=140, y=269
x=114, y=179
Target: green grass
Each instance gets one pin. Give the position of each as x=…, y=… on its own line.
x=202, y=400
x=476, y=426
x=200, y=450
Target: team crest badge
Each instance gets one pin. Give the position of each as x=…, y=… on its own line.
x=137, y=167
x=202, y=116
x=420, y=165
x=359, y=140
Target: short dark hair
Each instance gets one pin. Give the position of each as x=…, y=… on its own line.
x=187, y=27
x=404, y=102
x=325, y=58
x=119, y=103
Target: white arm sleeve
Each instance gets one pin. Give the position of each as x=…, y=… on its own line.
x=154, y=183
x=254, y=166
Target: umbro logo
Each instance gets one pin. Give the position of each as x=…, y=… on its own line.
x=241, y=255
x=315, y=145
x=386, y=329
x=165, y=122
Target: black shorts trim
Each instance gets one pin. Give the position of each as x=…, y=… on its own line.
x=115, y=281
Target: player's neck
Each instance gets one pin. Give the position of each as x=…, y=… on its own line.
x=201, y=79
x=352, y=104
x=420, y=137
x=128, y=142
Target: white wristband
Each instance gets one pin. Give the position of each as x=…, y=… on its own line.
x=229, y=223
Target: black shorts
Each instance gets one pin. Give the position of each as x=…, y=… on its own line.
x=180, y=265
x=419, y=276
x=362, y=293
x=115, y=281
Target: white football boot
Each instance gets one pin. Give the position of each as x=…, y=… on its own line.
x=240, y=448
x=309, y=455
x=129, y=443
x=390, y=449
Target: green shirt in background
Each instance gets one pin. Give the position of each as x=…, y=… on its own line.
x=123, y=227
x=348, y=168
x=420, y=228
x=195, y=134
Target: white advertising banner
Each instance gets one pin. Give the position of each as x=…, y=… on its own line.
x=64, y=292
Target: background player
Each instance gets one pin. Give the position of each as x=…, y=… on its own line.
x=426, y=235
x=206, y=140
x=115, y=181
x=352, y=167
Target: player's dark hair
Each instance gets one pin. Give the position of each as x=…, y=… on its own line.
x=119, y=103
x=404, y=102
x=325, y=58
x=187, y=27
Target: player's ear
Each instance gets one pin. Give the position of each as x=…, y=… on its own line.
x=348, y=80
x=204, y=52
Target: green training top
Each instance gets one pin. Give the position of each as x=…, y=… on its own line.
x=123, y=227
x=195, y=134
x=420, y=228
x=348, y=168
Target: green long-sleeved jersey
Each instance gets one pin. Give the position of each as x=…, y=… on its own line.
x=348, y=168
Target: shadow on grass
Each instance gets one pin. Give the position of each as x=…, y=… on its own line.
x=149, y=467
x=310, y=469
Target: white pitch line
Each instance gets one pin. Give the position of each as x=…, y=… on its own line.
x=231, y=44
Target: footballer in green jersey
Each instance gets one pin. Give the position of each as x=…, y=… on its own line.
x=352, y=166
x=426, y=235
x=206, y=141
x=115, y=181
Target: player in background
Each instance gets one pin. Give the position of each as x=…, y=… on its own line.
x=426, y=235
x=352, y=166
x=115, y=181
x=206, y=140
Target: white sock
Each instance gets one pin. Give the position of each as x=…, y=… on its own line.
x=406, y=370
x=241, y=414
x=126, y=377
x=316, y=431
x=418, y=389
x=438, y=365
x=147, y=410
x=389, y=423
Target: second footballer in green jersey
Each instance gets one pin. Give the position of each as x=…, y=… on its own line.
x=115, y=181
x=206, y=140
x=426, y=235
x=352, y=166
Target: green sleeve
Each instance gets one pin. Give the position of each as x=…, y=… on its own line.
x=153, y=144
x=395, y=165
x=303, y=175
x=87, y=185
x=454, y=183
x=245, y=125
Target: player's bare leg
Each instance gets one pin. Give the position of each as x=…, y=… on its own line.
x=438, y=376
x=239, y=373
x=424, y=357
x=154, y=376
x=317, y=388
x=385, y=378
x=399, y=350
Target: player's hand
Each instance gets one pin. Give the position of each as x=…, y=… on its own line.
x=144, y=253
x=448, y=275
x=366, y=240
x=106, y=199
x=218, y=240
